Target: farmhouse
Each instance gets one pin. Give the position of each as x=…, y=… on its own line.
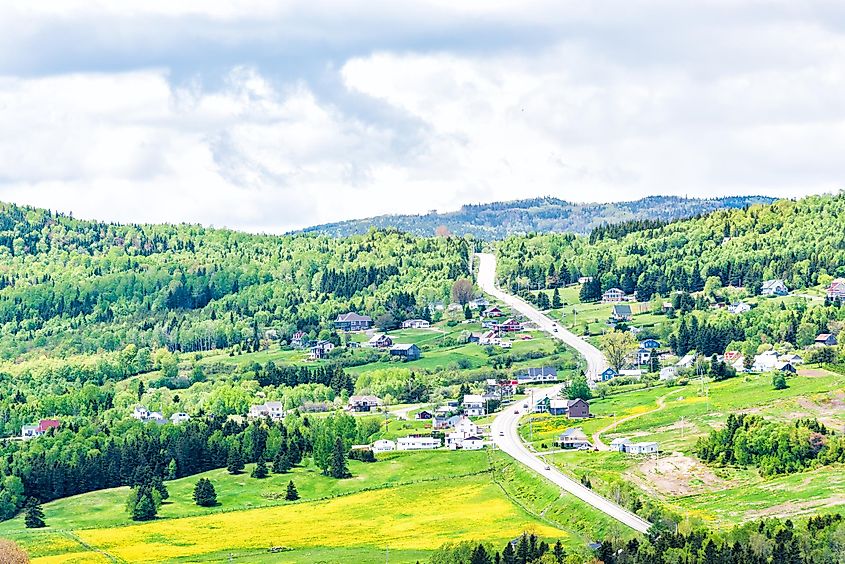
x=352, y=322
x=271, y=409
x=383, y=445
x=686, y=361
x=406, y=351
x=558, y=406
x=415, y=324
x=417, y=443
x=577, y=408
x=774, y=288
x=619, y=444
x=472, y=443
x=739, y=308
x=444, y=421
x=489, y=338
x=765, y=361
x=299, y=340
x=474, y=405
x=574, y=438
x=542, y=374
x=320, y=349
x=613, y=295
x=492, y=312
x=31, y=431
x=509, y=326
x=642, y=448
x=424, y=415
x=180, y=417
x=363, y=403
x=668, y=372
x=621, y=312
x=608, y=374
x=380, y=341
x=836, y=290
x=783, y=366
x=825, y=340
x=140, y=412
x=651, y=344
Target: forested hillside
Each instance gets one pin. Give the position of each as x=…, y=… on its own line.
x=70, y=286
x=539, y=215
x=802, y=242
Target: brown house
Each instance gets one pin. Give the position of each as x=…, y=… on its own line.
x=578, y=409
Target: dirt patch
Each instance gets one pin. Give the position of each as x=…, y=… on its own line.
x=675, y=475
x=814, y=372
x=792, y=508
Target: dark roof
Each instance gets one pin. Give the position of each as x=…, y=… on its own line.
x=572, y=402
x=544, y=371
x=622, y=309
x=352, y=316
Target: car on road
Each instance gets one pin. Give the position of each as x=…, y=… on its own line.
x=516, y=412
x=501, y=433
x=547, y=468
x=555, y=329
x=524, y=406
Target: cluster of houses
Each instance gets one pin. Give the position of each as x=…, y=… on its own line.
x=32, y=431
x=465, y=435
x=573, y=408
x=405, y=351
x=141, y=413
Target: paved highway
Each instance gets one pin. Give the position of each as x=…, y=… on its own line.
x=504, y=427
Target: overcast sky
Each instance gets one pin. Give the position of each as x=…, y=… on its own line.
x=269, y=116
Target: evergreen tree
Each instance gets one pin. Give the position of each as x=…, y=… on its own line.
x=234, y=462
x=260, y=470
x=33, y=514
x=337, y=465
x=556, y=303
x=144, y=507
x=204, y=493
x=291, y=494
x=508, y=555
x=281, y=463
x=480, y=556
x=467, y=312
x=779, y=381
x=559, y=553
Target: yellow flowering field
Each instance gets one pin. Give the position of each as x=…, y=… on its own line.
x=419, y=516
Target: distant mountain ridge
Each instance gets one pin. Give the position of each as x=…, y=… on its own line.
x=497, y=220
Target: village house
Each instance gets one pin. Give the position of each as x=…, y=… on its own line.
x=542, y=374
x=363, y=403
x=739, y=308
x=479, y=303
x=299, y=340
x=558, y=406
x=415, y=324
x=642, y=448
x=383, y=445
x=417, y=443
x=826, y=340
x=156, y=417
x=180, y=417
x=836, y=290
x=444, y=421
x=489, y=338
x=578, y=408
x=668, y=372
x=32, y=431
x=509, y=326
x=140, y=412
x=765, y=361
x=320, y=349
x=574, y=438
x=500, y=389
x=621, y=312
x=643, y=355
x=423, y=415
x=607, y=374
x=472, y=443
x=473, y=405
x=613, y=295
x=405, y=351
x=619, y=444
x=774, y=288
x=686, y=361
x=272, y=409
x=783, y=366
x=492, y=312
x=380, y=341
x=352, y=322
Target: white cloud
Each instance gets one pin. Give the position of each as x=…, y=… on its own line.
x=405, y=108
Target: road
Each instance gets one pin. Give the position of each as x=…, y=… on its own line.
x=505, y=426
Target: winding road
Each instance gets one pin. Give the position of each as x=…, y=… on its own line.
x=505, y=426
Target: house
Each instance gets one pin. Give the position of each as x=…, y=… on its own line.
x=380, y=341
x=180, y=417
x=826, y=340
x=584, y=279
x=608, y=374
x=352, y=322
x=613, y=295
x=474, y=338
x=543, y=374
x=479, y=303
x=464, y=428
x=406, y=351
x=651, y=344
x=739, y=308
x=732, y=356
x=299, y=340
x=792, y=359
x=558, y=406
x=509, y=326
x=765, y=361
x=836, y=290
x=320, y=349
x=668, y=372
x=383, y=445
x=643, y=356
x=578, y=408
x=774, y=288
x=622, y=312
x=492, y=312
x=31, y=431
x=501, y=388
x=474, y=405
x=619, y=444
x=140, y=412
x=424, y=415
x=686, y=361
x=415, y=324
x=541, y=405
x=642, y=448
x=417, y=443
x=783, y=366
x=472, y=443
x=271, y=409
x=363, y=403
x=156, y=417
x=444, y=421
x=574, y=438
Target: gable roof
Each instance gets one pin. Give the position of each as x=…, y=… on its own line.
x=403, y=347
x=544, y=371
x=352, y=316
x=622, y=309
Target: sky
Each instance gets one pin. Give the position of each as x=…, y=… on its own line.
x=272, y=116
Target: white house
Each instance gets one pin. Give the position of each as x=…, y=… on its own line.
x=466, y=427
x=383, y=445
x=140, y=412
x=180, y=417
x=765, y=361
x=473, y=443
x=687, y=361
x=668, y=372
x=417, y=443
x=156, y=417
x=739, y=308
x=415, y=324
x=574, y=438
x=473, y=405
x=613, y=295
x=642, y=448
x=774, y=288
x=271, y=409
x=619, y=444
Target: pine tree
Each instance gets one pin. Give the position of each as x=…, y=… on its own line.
x=337, y=465
x=559, y=552
x=234, y=463
x=556, y=303
x=260, y=470
x=281, y=464
x=144, y=508
x=291, y=494
x=204, y=493
x=33, y=514
x=508, y=555
x=480, y=556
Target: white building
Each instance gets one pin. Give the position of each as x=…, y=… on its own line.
x=642, y=448
x=180, y=417
x=156, y=417
x=765, y=361
x=271, y=409
x=668, y=372
x=473, y=443
x=466, y=427
x=383, y=445
x=739, y=308
x=619, y=444
x=774, y=288
x=474, y=405
x=140, y=412
x=415, y=324
x=417, y=443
